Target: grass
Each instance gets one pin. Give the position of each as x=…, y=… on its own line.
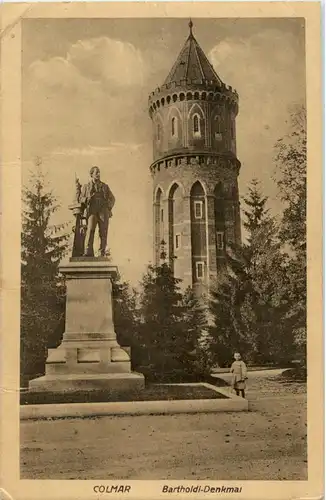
x=298, y=374
x=150, y=393
x=266, y=443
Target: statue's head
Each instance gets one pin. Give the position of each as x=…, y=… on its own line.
x=95, y=173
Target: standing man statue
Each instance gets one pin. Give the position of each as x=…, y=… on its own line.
x=97, y=201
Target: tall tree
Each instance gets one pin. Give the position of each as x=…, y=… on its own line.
x=161, y=317
x=226, y=332
x=194, y=355
x=290, y=176
x=171, y=324
x=126, y=316
x=42, y=287
x=255, y=210
x=250, y=303
x=274, y=318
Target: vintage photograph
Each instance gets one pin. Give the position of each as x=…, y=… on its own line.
x=165, y=160
x=163, y=249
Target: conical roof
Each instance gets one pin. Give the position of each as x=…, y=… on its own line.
x=192, y=65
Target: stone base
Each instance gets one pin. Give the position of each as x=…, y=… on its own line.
x=89, y=357
x=112, y=382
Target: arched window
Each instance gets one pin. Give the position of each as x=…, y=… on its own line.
x=174, y=126
x=196, y=125
x=217, y=120
x=158, y=132
x=218, y=128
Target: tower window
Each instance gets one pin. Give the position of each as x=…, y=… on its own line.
x=198, y=209
x=217, y=128
x=232, y=129
x=177, y=241
x=162, y=214
x=200, y=270
x=158, y=132
x=196, y=125
x=219, y=214
x=217, y=120
x=174, y=126
x=220, y=240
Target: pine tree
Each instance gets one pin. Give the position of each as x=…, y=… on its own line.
x=256, y=212
x=250, y=303
x=225, y=334
x=161, y=318
x=231, y=307
x=126, y=317
x=194, y=355
x=171, y=325
x=274, y=316
x=42, y=288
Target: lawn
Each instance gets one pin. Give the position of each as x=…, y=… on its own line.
x=266, y=443
x=151, y=392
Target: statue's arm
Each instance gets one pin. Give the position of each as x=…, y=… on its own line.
x=83, y=195
x=111, y=198
x=83, y=201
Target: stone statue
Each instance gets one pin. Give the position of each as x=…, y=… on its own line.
x=96, y=201
x=89, y=355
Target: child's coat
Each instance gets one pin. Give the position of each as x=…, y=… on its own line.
x=239, y=370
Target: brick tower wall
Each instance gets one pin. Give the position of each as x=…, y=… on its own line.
x=216, y=124
x=195, y=180
x=175, y=181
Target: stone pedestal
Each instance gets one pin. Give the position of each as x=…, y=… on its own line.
x=89, y=356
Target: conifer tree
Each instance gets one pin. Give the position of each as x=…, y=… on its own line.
x=255, y=210
x=161, y=317
x=170, y=324
x=194, y=352
x=250, y=301
x=126, y=317
x=42, y=289
x=231, y=308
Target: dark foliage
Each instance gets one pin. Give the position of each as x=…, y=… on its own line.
x=42, y=287
x=290, y=176
x=171, y=325
x=125, y=313
x=250, y=302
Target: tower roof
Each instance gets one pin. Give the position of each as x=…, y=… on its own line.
x=192, y=65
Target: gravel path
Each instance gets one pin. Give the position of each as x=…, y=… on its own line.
x=266, y=443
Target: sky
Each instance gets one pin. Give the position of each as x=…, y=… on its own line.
x=85, y=90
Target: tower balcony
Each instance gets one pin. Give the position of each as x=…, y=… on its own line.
x=185, y=157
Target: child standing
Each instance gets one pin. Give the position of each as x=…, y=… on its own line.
x=239, y=370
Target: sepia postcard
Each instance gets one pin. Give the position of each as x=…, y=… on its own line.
x=161, y=250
